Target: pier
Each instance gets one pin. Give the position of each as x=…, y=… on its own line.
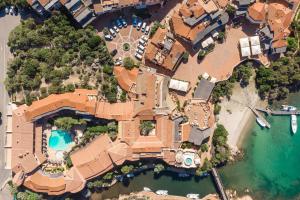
x=257, y=114
x=219, y=184
x=278, y=112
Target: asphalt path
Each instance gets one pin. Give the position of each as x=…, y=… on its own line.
x=7, y=23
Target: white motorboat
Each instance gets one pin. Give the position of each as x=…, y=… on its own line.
x=294, y=123
x=162, y=192
x=288, y=108
x=146, y=189
x=260, y=122
x=192, y=196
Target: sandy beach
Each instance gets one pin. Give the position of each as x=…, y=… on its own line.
x=235, y=114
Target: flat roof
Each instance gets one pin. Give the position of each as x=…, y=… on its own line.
x=204, y=89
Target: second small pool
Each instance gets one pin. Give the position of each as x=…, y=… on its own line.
x=60, y=140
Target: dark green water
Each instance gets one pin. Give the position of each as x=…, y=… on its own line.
x=270, y=169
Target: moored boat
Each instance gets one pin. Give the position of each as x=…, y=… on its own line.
x=260, y=122
x=294, y=123
x=183, y=175
x=162, y=192
x=288, y=108
x=192, y=196
x=146, y=189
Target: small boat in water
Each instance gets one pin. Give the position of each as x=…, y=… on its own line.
x=294, y=123
x=130, y=175
x=162, y=192
x=260, y=122
x=288, y=108
x=146, y=189
x=183, y=175
x=192, y=196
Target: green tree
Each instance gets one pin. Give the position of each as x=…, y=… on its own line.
x=128, y=63
x=108, y=176
x=185, y=57
x=66, y=123
x=159, y=168
x=146, y=127
x=127, y=169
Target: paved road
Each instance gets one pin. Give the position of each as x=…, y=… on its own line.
x=7, y=23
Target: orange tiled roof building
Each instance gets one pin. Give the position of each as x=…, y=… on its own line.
x=195, y=19
x=163, y=50
x=102, y=154
x=276, y=18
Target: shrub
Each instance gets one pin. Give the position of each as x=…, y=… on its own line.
x=128, y=63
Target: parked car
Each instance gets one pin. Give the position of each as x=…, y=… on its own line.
x=138, y=56
x=124, y=22
x=145, y=38
x=138, y=51
x=7, y=10
x=134, y=21
x=11, y=10
x=147, y=30
x=119, y=24
x=112, y=32
x=141, y=47
x=108, y=37
x=114, y=52
x=142, y=42
x=144, y=27
x=116, y=29
x=139, y=25
x=118, y=61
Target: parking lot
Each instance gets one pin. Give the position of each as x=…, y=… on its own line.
x=119, y=33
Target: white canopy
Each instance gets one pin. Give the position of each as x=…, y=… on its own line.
x=244, y=42
x=205, y=75
x=256, y=50
x=213, y=80
x=245, y=52
x=179, y=85
x=254, y=40
x=207, y=42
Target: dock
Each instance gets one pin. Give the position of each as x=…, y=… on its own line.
x=278, y=112
x=219, y=184
x=258, y=115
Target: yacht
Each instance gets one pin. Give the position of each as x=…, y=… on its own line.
x=260, y=122
x=146, y=189
x=192, y=196
x=294, y=123
x=162, y=192
x=288, y=108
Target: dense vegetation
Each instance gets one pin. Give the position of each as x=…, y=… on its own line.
x=19, y=3
x=51, y=52
x=221, y=150
x=23, y=194
x=241, y=74
x=283, y=76
x=154, y=28
x=66, y=123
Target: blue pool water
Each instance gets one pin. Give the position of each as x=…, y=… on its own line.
x=60, y=140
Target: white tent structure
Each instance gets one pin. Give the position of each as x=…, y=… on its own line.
x=255, y=45
x=207, y=42
x=205, y=75
x=245, y=47
x=256, y=50
x=244, y=42
x=179, y=85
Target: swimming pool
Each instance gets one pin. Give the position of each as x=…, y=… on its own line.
x=60, y=140
x=188, y=161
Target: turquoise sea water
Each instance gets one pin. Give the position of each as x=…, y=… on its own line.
x=270, y=169
x=59, y=140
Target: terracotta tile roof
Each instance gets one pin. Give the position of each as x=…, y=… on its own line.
x=185, y=132
x=222, y=3
x=185, y=11
x=257, y=11
x=279, y=43
x=156, y=52
x=117, y=111
x=78, y=100
x=63, y=2
x=126, y=78
x=42, y=183
x=98, y=159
